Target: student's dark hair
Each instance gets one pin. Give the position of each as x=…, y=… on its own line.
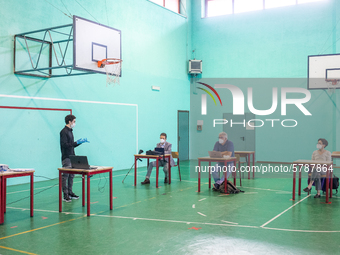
x=164, y=135
x=69, y=117
x=324, y=141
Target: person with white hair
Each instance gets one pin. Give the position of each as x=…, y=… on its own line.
x=226, y=147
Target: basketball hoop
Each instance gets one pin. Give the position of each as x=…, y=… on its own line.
x=113, y=67
x=332, y=85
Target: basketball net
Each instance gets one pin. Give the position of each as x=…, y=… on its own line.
x=332, y=85
x=113, y=67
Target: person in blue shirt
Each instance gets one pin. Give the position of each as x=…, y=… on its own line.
x=226, y=147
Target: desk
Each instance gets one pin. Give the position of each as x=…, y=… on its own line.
x=335, y=154
x=303, y=162
x=3, y=190
x=87, y=173
x=247, y=154
x=167, y=156
x=208, y=159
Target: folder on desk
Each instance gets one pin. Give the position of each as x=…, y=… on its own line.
x=161, y=150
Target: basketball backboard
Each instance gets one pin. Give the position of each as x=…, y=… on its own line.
x=324, y=71
x=93, y=42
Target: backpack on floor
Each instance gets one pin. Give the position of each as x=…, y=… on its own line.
x=231, y=189
x=335, y=184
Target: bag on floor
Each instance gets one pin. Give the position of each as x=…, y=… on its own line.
x=231, y=189
x=335, y=184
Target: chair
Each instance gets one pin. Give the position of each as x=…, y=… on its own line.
x=174, y=155
x=238, y=161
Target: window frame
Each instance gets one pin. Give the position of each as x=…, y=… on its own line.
x=178, y=4
x=233, y=7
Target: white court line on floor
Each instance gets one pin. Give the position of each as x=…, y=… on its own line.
x=202, y=199
x=284, y=211
x=19, y=191
x=187, y=222
x=229, y=222
x=202, y=214
x=306, y=231
x=193, y=206
x=264, y=189
x=41, y=210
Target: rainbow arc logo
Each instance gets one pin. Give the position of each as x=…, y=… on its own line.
x=204, y=98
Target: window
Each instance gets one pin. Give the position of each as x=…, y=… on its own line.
x=278, y=3
x=307, y=1
x=172, y=5
x=219, y=7
x=224, y=7
x=247, y=5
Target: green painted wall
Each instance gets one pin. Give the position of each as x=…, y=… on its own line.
x=155, y=45
x=273, y=43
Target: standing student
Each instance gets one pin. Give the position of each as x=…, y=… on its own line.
x=67, y=145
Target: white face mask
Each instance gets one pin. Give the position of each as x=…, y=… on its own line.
x=319, y=146
x=73, y=125
x=162, y=140
x=221, y=141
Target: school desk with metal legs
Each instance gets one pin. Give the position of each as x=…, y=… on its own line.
x=3, y=190
x=301, y=163
x=208, y=159
x=156, y=157
x=247, y=154
x=85, y=174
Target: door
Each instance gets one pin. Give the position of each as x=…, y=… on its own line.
x=242, y=135
x=183, y=134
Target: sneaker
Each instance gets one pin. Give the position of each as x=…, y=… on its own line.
x=73, y=196
x=67, y=199
x=307, y=189
x=216, y=187
x=317, y=196
x=165, y=180
x=146, y=181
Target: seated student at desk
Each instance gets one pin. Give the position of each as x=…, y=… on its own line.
x=319, y=154
x=167, y=150
x=227, y=148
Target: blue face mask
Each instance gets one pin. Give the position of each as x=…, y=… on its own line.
x=221, y=141
x=162, y=141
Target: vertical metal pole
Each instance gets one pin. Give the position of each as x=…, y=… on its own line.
x=225, y=179
x=157, y=171
x=1, y=202
x=169, y=170
x=136, y=170
x=32, y=195
x=60, y=198
x=294, y=178
x=299, y=192
x=253, y=165
x=199, y=175
x=83, y=189
x=327, y=186
x=209, y=174
x=110, y=176
x=88, y=194
x=331, y=188
x=248, y=156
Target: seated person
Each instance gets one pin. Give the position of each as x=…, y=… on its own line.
x=227, y=148
x=167, y=150
x=319, y=154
